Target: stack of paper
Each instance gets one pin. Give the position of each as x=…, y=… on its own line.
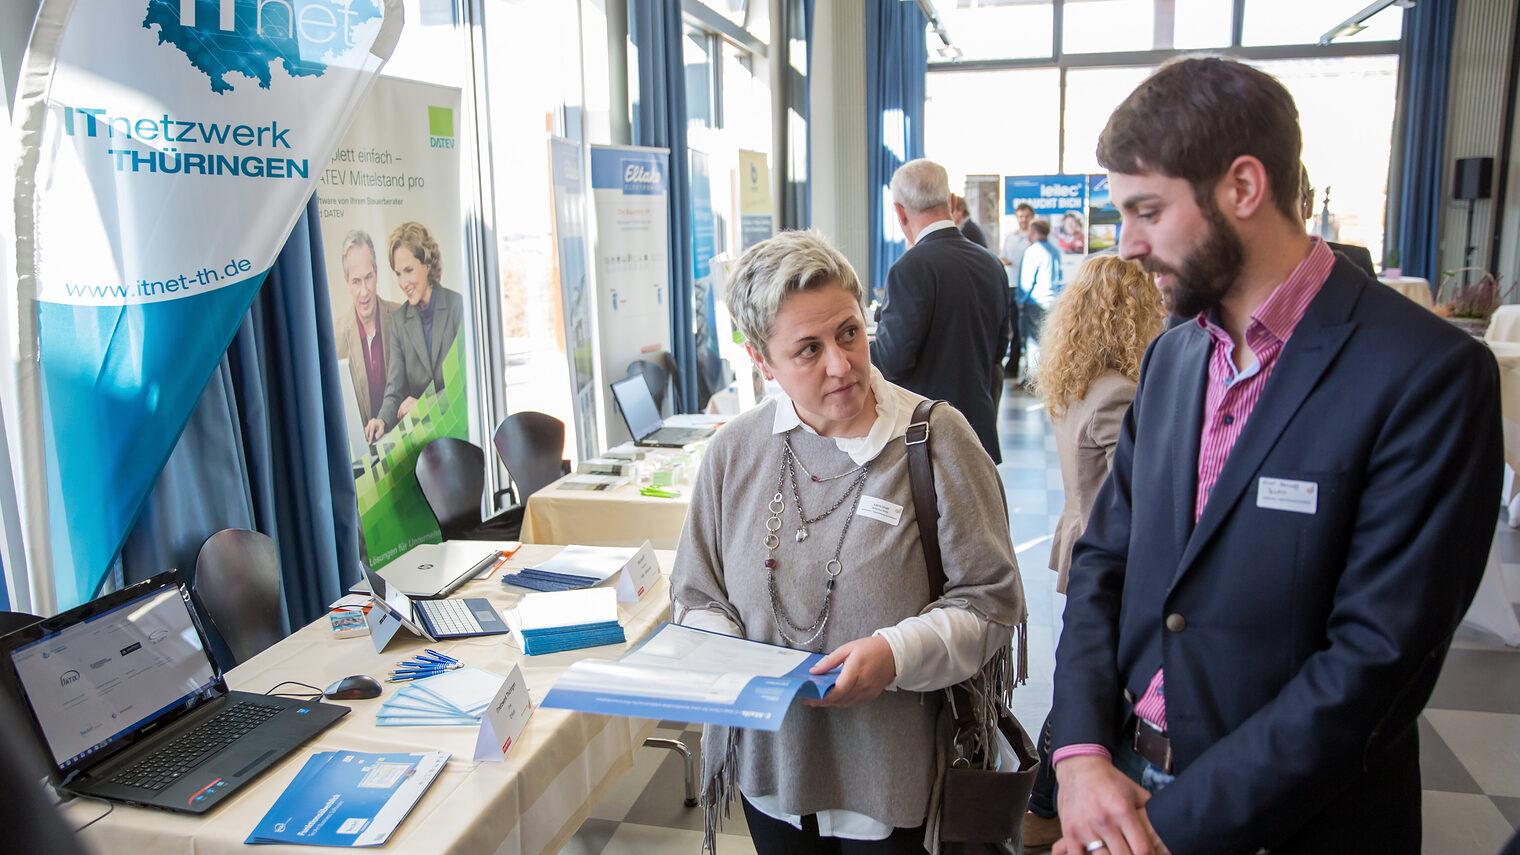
x=453, y=697
x=566, y=620
x=348, y=798
x=572, y=567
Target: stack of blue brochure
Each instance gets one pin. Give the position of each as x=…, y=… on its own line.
x=566, y=620
x=572, y=567
x=453, y=697
x=349, y=798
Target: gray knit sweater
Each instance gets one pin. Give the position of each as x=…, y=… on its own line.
x=878, y=758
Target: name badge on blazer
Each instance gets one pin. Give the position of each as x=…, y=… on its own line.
x=1285, y=494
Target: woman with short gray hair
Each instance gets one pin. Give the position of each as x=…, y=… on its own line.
x=802, y=533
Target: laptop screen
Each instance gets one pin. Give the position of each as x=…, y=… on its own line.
x=95, y=681
x=639, y=411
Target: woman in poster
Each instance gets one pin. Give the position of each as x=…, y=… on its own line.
x=424, y=327
x=1073, y=236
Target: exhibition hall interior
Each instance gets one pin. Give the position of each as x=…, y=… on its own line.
x=505, y=426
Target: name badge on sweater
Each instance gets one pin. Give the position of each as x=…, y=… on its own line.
x=1283, y=494
x=879, y=509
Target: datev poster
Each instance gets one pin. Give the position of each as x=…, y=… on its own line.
x=166, y=149
x=391, y=229
x=630, y=191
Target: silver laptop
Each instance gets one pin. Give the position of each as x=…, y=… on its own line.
x=432, y=570
x=643, y=418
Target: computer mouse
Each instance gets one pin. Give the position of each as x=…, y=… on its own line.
x=355, y=688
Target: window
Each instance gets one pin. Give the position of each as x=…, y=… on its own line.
x=993, y=122
x=1302, y=22
x=995, y=29
x=1101, y=26
x=1091, y=96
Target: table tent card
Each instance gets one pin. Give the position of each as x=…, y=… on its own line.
x=349, y=798
x=684, y=674
x=584, y=566
x=504, y=718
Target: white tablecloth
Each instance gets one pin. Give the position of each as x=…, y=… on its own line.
x=620, y=517
x=1504, y=325
x=1413, y=287
x=561, y=766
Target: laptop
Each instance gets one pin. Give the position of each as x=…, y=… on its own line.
x=643, y=418
x=433, y=570
x=435, y=619
x=129, y=704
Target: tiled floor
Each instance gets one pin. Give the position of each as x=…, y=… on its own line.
x=1469, y=734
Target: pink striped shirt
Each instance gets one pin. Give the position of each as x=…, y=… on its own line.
x=1230, y=398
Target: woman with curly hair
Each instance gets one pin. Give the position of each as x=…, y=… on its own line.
x=1090, y=352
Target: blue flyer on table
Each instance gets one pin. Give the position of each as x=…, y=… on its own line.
x=349, y=798
x=684, y=674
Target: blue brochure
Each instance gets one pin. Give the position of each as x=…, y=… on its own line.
x=349, y=798
x=684, y=674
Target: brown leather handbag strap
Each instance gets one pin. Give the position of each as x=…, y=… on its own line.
x=925, y=501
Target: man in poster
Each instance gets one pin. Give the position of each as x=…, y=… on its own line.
x=362, y=334
x=423, y=330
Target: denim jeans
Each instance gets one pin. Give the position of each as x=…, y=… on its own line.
x=1140, y=770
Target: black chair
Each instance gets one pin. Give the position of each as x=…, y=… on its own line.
x=452, y=474
x=531, y=445
x=656, y=376
x=237, y=579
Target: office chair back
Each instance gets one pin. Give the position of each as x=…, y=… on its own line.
x=657, y=378
x=452, y=473
x=532, y=447
x=237, y=579
x=12, y=621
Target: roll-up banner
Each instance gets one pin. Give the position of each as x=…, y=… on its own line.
x=1102, y=215
x=1060, y=200
x=569, y=199
x=166, y=149
x=630, y=190
x=982, y=203
x=703, y=247
x=397, y=280
x=754, y=198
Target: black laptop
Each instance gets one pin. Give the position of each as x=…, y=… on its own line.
x=643, y=418
x=130, y=705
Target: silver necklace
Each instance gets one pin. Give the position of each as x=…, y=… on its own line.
x=813, y=632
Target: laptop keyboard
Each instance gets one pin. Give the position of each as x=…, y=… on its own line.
x=450, y=617
x=166, y=765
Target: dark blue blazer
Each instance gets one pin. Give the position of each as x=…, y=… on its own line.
x=1298, y=648
x=944, y=328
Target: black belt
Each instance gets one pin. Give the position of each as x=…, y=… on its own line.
x=1151, y=744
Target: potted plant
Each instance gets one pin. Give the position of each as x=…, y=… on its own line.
x=1466, y=302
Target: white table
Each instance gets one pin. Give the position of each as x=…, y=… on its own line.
x=562, y=764
x=1504, y=325
x=1413, y=287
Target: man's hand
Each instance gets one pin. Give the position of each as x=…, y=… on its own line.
x=1098, y=802
x=406, y=406
x=374, y=430
x=868, y=669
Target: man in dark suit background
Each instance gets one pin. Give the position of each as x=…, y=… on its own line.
x=1357, y=255
x=1300, y=507
x=944, y=322
x=961, y=216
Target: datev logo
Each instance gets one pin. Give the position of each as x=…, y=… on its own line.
x=643, y=178
x=68, y=677
x=440, y=127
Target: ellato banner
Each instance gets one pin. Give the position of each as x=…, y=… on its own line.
x=166, y=149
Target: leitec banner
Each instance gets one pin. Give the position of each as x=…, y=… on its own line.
x=754, y=198
x=569, y=200
x=630, y=190
x=166, y=149
x=1060, y=200
x=397, y=280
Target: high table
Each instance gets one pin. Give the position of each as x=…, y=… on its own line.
x=532, y=802
x=1413, y=287
x=617, y=517
x=1504, y=325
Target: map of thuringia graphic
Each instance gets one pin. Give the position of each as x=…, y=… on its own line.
x=249, y=37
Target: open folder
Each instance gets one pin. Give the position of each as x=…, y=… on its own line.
x=684, y=674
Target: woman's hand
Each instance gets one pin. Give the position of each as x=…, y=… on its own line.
x=868, y=669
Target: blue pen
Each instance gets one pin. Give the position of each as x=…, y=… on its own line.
x=407, y=677
x=434, y=653
x=427, y=668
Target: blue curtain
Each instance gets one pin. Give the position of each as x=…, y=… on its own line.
x=1428, y=29
x=659, y=119
x=896, y=64
x=266, y=447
